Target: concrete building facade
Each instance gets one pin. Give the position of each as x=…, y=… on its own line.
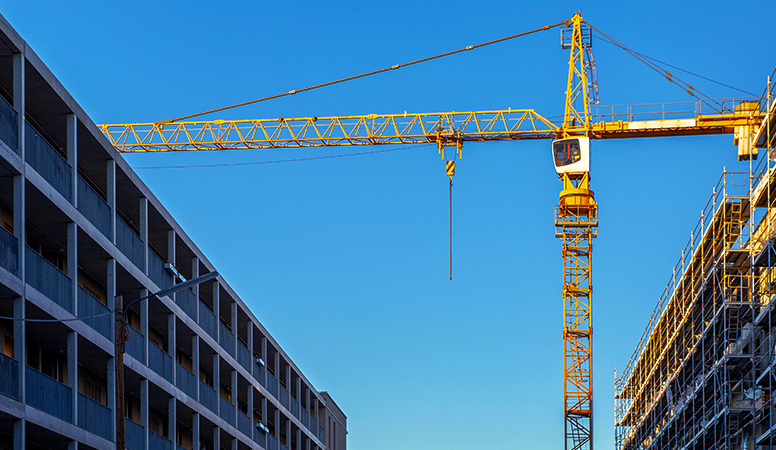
x=78, y=228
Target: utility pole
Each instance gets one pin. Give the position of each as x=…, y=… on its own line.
x=119, y=371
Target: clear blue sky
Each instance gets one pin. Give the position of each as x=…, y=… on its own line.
x=345, y=260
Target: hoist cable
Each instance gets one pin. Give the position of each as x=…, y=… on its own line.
x=668, y=75
x=374, y=72
x=451, y=229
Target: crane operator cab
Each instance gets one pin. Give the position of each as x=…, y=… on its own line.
x=571, y=155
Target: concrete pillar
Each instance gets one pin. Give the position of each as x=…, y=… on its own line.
x=217, y=380
x=298, y=439
x=277, y=424
x=19, y=219
x=172, y=419
x=72, y=263
x=19, y=77
x=234, y=444
x=171, y=250
x=195, y=431
x=264, y=411
x=72, y=445
x=72, y=370
x=216, y=438
x=111, y=175
x=19, y=434
x=234, y=386
x=195, y=289
x=172, y=345
x=144, y=324
x=195, y=365
x=251, y=393
x=264, y=350
x=217, y=304
x=252, y=367
x=20, y=341
x=144, y=409
x=144, y=233
x=72, y=155
x=233, y=322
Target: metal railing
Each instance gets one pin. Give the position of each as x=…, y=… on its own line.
x=244, y=424
x=134, y=435
x=48, y=162
x=243, y=355
x=187, y=301
x=208, y=397
x=272, y=384
x=95, y=417
x=260, y=437
x=89, y=306
x=283, y=395
x=48, y=280
x=158, y=442
x=9, y=125
x=135, y=346
x=48, y=395
x=225, y=338
x=156, y=271
x=160, y=361
x=666, y=111
x=93, y=207
x=9, y=251
x=129, y=243
x=186, y=381
x=9, y=376
x=207, y=320
x=227, y=410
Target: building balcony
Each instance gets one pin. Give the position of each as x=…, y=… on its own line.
x=89, y=306
x=93, y=207
x=227, y=410
x=48, y=395
x=95, y=417
x=9, y=377
x=207, y=320
x=157, y=441
x=160, y=361
x=9, y=251
x=244, y=424
x=135, y=345
x=129, y=243
x=226, y=338
x=244, y=356
x=9, y=125
x=186, y=381
x=208, y=397
x=48, y=279
x=187, y=302
x=134, y=435
x=48, y=162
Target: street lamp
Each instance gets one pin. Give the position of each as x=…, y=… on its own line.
x=120, y=335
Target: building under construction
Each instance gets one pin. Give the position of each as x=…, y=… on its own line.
x=702, y=375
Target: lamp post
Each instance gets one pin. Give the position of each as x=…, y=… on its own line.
x=120, y=338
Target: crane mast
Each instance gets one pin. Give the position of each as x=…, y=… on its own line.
x=576, y=215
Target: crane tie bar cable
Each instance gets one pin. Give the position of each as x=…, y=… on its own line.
x=355, y=77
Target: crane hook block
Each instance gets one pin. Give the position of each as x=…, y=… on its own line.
x=450, y=169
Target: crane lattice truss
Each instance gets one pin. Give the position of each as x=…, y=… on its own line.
x=576, y=217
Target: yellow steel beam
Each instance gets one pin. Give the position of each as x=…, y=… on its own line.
x=446, y=127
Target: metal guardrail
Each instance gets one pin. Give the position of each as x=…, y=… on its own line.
x=160, y=361
x=244, y=356
x=187, y=301
x=226, y=338
x=272, y=384
x=9, y=125
x=186, y=381
x=134, y=435
x=48, y=395
x=48, y=162
x=89, y=306
x=129, y=243
x=9, y=376
x=95, y=417
x=207, y=320
x=93, y=207
x=295, y=407
x=273, y=442
x=158, y=442
x=260, y=373
x=283, y=395
x=156, y=271
x=227, y=410
x=305, y=419
x=48, y=279
x=244, y=424
x=260, y=437
x=208, y=397
x=9, y=251
x=135, y=346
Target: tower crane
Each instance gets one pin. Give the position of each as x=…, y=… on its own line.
x=576, y=215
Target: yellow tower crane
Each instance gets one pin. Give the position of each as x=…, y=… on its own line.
x=576, y=218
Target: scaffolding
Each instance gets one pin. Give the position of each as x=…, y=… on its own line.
x=703, y=373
